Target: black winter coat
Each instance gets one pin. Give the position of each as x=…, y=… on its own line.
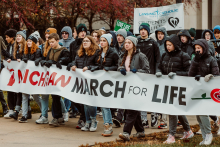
x=12, y=51
x=86, y=61
x=64, y=57
x=150, y=48
x=176, y=61
x=111, y=60
x=186, y=47
x=32, y=57
x=206, y=64
x=138, y=62
x=74, y=47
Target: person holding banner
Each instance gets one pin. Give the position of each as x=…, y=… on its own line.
x=17, y=55
x=175, y=62
x=134, y=61
x=60, y=56
x=149, y=47
x=86, y=60
x=31, y=53
x=108, y=61
x=203, y=65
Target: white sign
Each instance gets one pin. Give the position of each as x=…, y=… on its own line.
x=145, y=92
x=171, y=17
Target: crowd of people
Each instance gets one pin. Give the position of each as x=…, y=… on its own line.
x=156, y=53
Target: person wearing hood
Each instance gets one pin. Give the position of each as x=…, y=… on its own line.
x=67, y=37
x=208, y=35
x=136, y=62
x=192, y=32
x=161, y=35
x=175, y=62
x=186, y=42
x=203, y=65
x=121, y=35
x=114, y=39
x=81, y=30
x=12, y=96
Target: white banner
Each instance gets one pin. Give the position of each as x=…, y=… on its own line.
x=145, y=92
x=171, y=17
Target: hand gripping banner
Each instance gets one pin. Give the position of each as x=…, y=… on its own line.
x=144, y=92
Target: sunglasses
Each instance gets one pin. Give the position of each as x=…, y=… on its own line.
x=65, y=33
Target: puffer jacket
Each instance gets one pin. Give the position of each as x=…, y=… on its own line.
x=176, y=61
x=186, y=47
x=74, y=47
x=150, y=48
x=160, y=43
x=86, y=61
x=138, y=62
x=32, y=56
x=111, y=60
x=206, y=64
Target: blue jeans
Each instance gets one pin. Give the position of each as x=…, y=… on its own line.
x=63, y=107
x=90, y=113
x=44, y=105
x=67, y=104
x=107, y=116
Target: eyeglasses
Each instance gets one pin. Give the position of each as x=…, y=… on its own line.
x=65, y=33
x=86, y=41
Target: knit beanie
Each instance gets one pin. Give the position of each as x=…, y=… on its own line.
x=145, y=26
x=122, y=32
x=11, y=33
x=108, y=37
x=103, y=29
x=192, y=32
x=129, y=33
x=33, y=38
x=36, y=34
x=133, y=39
x=81, y=27
x=22, y=33
x=50, y=31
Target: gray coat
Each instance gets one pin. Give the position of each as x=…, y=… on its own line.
x=139, y=62
x=66, y=43
x=160, y=43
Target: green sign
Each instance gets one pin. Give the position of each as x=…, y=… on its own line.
x=122, y=25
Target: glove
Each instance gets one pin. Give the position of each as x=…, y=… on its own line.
x=94, y=68
x=197, y=77
x=69, y=66
x=171, y=75
x=208, y=77
x=37, y=62
x=123, y=71
x=134, y=70
x=106, y=68
x=48, y=63
x=197, y=56
x=59, y=65
x=25, y=60
x=158, y=74
x=42, y=62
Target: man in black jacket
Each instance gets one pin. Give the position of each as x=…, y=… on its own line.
x=186, y=42
x=150, y=48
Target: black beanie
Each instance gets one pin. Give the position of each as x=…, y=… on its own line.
x=33, y=38
x=11, y=33
x=81, y=27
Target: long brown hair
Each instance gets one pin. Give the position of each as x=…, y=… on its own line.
x=126, y=54
x=100, y=53
x=92, y=49
x=34, y=47
x=16, y=46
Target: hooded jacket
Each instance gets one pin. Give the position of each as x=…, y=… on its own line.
x=138, y=62
x=160, y=43
x=211, y=45
x=111, y=60
x=211, y=33
x=176, y=61
x=206, y=63
x=66, y=43
x=114, y=38
x=186, y=47
x=150, y=48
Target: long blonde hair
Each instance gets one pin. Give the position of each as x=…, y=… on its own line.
x=16, y=46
